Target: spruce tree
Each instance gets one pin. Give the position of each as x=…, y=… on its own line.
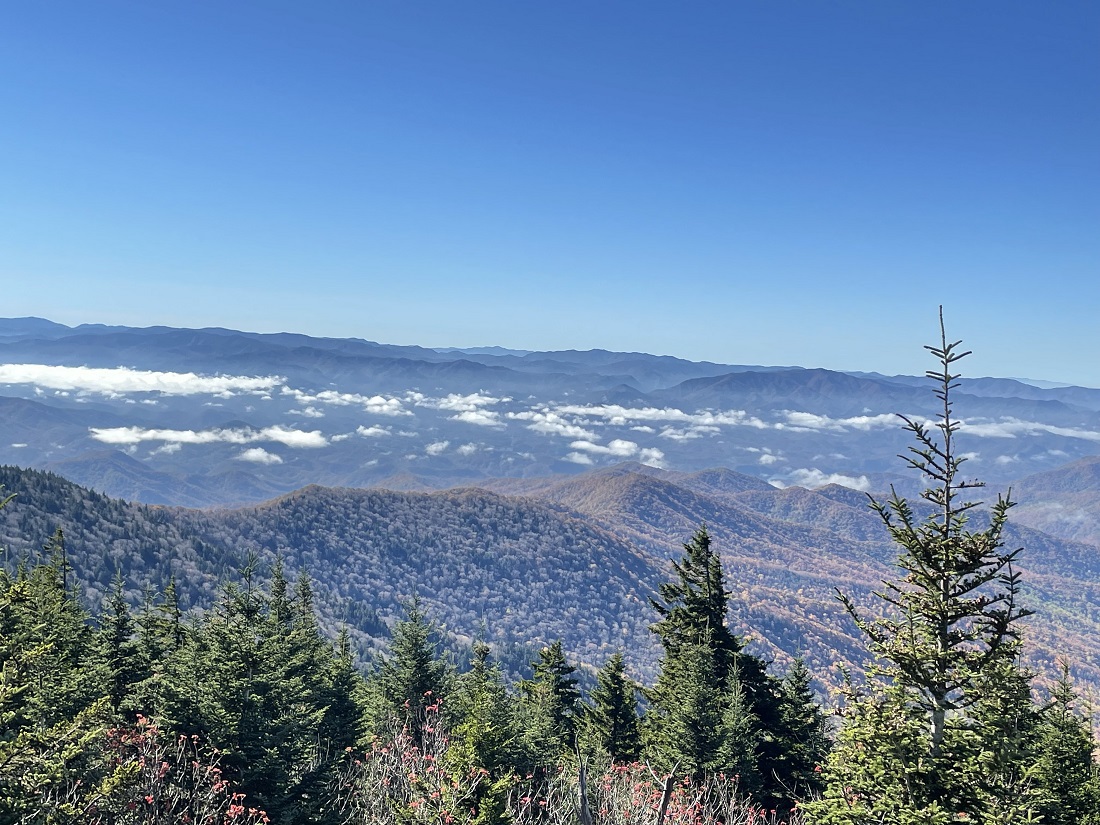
x=119, y=653
x=714, y=706
x=612, y=721
x=1063, y=772
x=411, y=678
x=945, y=692
x=551, y=702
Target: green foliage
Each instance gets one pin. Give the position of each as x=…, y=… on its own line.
x=945, y=728
x=1063, y=772
x=714, y=706
x=551, y=707
x=611, y=724
x=412, y=677
x=485, y=731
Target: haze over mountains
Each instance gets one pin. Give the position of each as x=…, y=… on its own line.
x=215, y=417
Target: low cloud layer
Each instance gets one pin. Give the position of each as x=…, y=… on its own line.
x=244, y=435
x=813, y=478
x=1014, y=428
x=116, y=381
x=806, y=422
x=376, y=404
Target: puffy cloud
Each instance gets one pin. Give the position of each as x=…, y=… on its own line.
x=374, y=431
x=551, y=423
x=689, y=433
x=621, y=416
x=114, y=381
x=482, y=418
x=652, y=457
x=167, y=449
x=245, y=435
x=618, y=448
x=258, y=455
x=376, y=404
x=467, y=449
x=460, y=403
x=767, y=459
x=437, y=447
x=308, y=412
x=1007, y=459
x=813, y=478
x=579, y=458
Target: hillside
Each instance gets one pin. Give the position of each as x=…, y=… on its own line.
x=575, y=559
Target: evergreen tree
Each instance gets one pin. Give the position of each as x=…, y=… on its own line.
x=552, y=704
x=805, y=739
x=1063, y=773
x=259, y=686
x=485, y=718
x=118, y=651
x=411, y=678
x=612, y=721
x=939, y=721
x=705, y=675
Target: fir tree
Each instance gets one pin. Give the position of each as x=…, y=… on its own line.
x=552, y=704
x=1063, y=773
x=936, y=728
x=119, y=652
x=714, y=707
x=612, y=721
x=411, y=678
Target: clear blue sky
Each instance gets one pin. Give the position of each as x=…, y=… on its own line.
x=751, y=182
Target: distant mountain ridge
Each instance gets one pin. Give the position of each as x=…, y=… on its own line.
x=213, y=417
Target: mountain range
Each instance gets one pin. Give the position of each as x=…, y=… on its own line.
x=523, y=496
x=215, y=417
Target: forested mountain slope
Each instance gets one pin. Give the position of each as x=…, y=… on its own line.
x=575, y=559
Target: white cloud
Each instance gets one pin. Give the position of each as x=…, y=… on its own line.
x=482, y=418
x=374, y=431
x=767, y=459
x=437, y=447
x=551, y=423
x=689, y=433
x=19, y=446
x=814, y=478
x=308, y=412
x=246, y=435
x=460, y=403
x=1013, y=427
x=642, y=428
x=619, y=448
x=578, y=458
x=376, y=404
x=1007, y=459
x=258, y=455
x=618, y=415
x=804, y=421
x=652, y=457
x=167, y=449
x=467, y=449
x=113, y=381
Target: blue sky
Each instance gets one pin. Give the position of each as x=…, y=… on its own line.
x=747, y=182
